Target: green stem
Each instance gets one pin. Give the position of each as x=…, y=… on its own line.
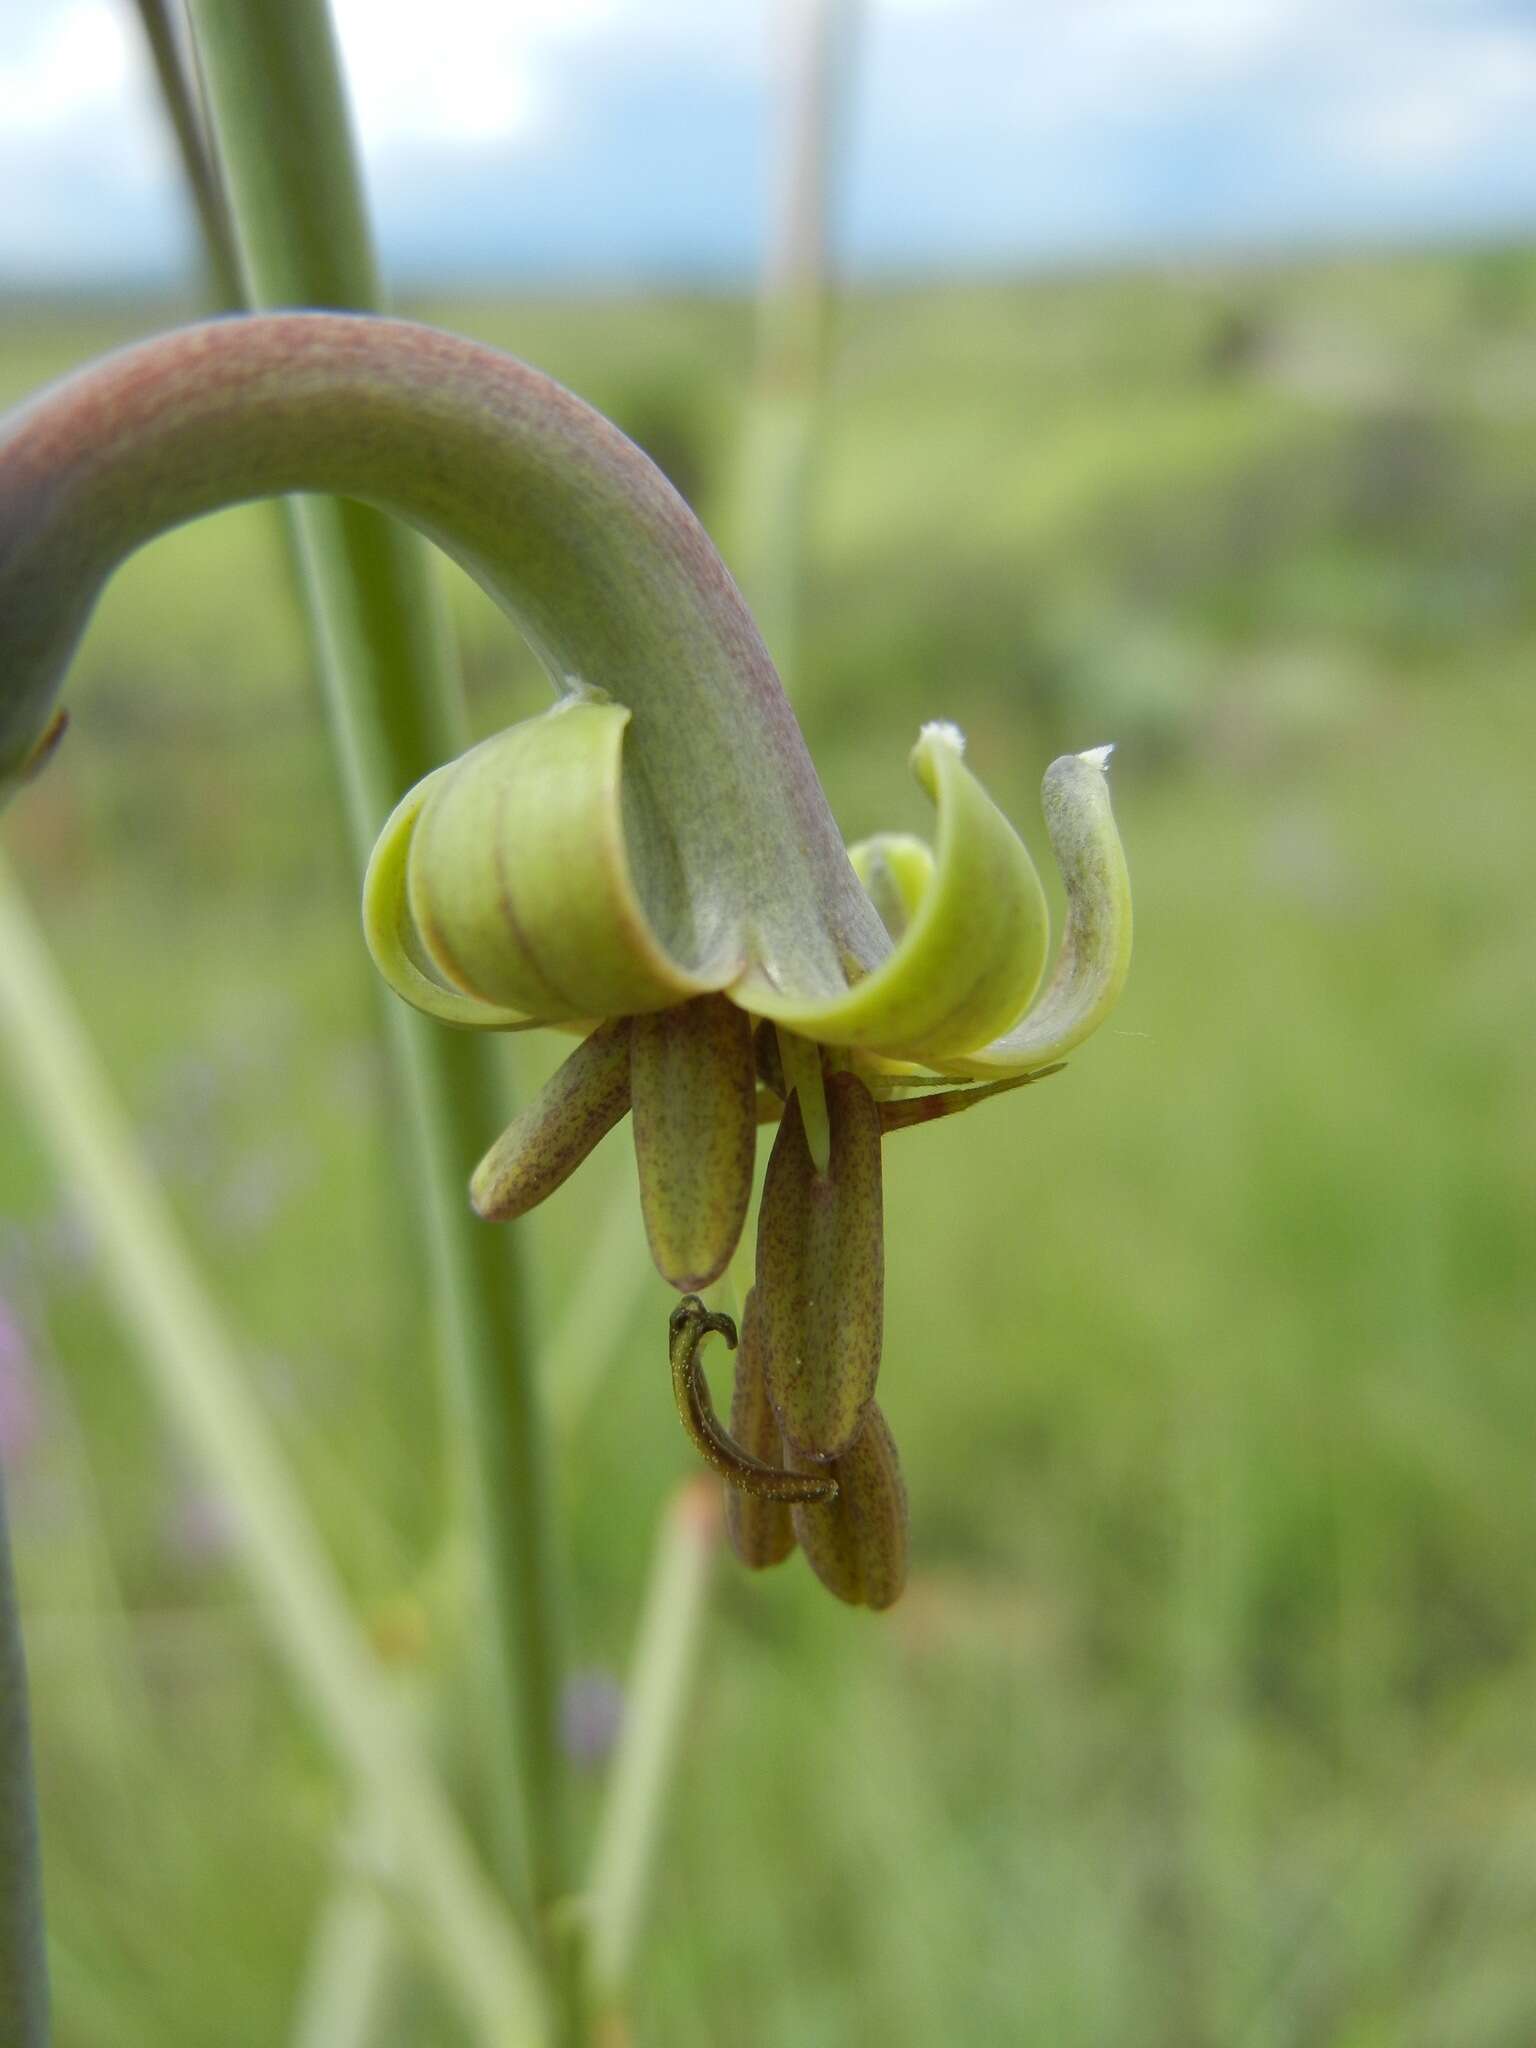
x=202, y=1386
x=178, y=94
x=598, y=1323
x=350, y=1972
x=771, y=527
x=656, y=1707
x=283, y=135
x=774, y=475
x=23, y=1961
x=563, y=521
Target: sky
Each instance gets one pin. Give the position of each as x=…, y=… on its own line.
x=617, y=141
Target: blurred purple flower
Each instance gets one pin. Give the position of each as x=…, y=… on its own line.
x=20, y=1406
x=199, y=1527
x=591, y=1715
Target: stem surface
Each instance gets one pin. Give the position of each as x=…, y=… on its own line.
x=645, y=1764
x=165, y=42
x=203, y=1387
x=23, y=1960
x=772, y=526
x=564, y=522
x=282, y=131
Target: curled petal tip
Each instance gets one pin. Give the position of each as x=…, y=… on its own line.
x=972, y=918
x=1097, y=757
x=1095, y=953
x=944, y=732
x=502, y=891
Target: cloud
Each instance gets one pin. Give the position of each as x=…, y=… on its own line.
x=70, y=64
x=86, y=179
x=477, y=78
x=559, y=138
x=1433, y=101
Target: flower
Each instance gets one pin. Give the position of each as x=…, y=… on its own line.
x=653, y=861
x=531, y=882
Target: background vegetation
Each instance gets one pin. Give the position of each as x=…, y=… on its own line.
x=1206, y=1717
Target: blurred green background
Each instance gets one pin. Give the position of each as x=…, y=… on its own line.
x=1206, y=1718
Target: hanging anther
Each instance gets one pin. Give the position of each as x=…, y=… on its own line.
x=691, y=1322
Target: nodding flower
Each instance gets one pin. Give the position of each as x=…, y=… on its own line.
x=652, y=862
x=509, y=890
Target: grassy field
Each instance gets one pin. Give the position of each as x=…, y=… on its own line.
x=1206, y=1720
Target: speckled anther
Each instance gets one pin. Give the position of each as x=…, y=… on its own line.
x=546, y=1141
x=762, y=1531
x=857, y=1546
x=651, y=861
x=821, y=1273
x=693, y=1084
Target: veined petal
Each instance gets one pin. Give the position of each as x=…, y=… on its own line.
x=392, y=937
x=501, y=889
x=1095, y=954
x=974, y=945
x=895, y=870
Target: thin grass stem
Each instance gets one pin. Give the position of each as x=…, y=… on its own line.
x=282, y=134
x=774, y=483
x=350, y=1973
x=599, y=1317
x=23, y=1958
x=656, y=1706
x=163, y=24
x=202, y=1385
x=769, y=531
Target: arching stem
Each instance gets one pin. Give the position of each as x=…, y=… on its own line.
x=564, y=522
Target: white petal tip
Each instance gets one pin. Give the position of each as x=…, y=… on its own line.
x=944, y=732
x=1097, y=757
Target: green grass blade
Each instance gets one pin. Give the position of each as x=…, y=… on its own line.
x=23, y=1962
x=201, y=1384
x=645, y=1763
x=283, y=138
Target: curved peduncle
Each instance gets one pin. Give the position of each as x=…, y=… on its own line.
x=545, y=503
